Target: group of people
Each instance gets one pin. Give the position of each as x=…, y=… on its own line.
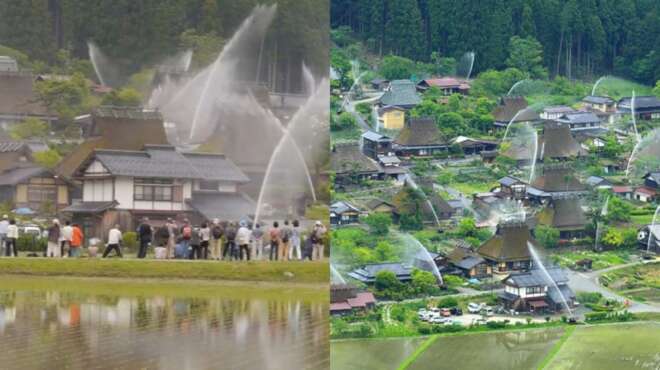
x=64, y=241
x=224, y=241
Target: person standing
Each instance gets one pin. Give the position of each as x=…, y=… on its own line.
x=274, y=235
x=243, y=238
x=145, y=234
x=205, y=236
x=230, y=244
x=12, y=237
x=4, y=225
x=54, y=236
x=195, y=245
x=258, y=242
x=216, y=240
x=295, y=241
x=171, y=241
x=285, y=240
x=114, y=242
x=76, y=241
x=65, y=239
x=186, y=235
x=317, y=240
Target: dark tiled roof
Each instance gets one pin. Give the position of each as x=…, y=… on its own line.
x=597, y=180
x=598, y=99
x=564, y=290
x=348, y=157
x=107, y=111
x=641, y=102
x=368, y=272
x=509, y=243
x=374, y=136
x=509, y=180
x=373, y=203
x=341, y=207
x=90, y=207
x=224, y=206
x=558, y=109
x=401, y=93
x=579, y=117
x=420, y=132
x=16, y=175
x=536, y=277
x=166, y=161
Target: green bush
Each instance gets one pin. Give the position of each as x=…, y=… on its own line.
x=496, y=324
x=589, y=297
x=448, y=302
x=28, y=243
x=130, y=241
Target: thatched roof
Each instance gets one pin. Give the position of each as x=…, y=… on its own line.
x=509, y=106
x=557, y=142
x=509, y=243
x=563, y=214
x=347, y=157
x=18, y=96
x=558, y=178
x=420, y=132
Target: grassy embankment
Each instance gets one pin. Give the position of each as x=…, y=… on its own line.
x=311, y=273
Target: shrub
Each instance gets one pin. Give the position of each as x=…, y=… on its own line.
x=28, y=243
x=447, y=302
x=130, y=241
x=496, y=324
x=424, y=329
x=589, y=297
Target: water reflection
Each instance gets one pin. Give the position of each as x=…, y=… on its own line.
x=56, y=330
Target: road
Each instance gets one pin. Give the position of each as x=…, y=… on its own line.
x=580, y=281
x=349, y=106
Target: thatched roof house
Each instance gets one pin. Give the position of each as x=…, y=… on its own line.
x=566, y=215
x=419, y=137
x=507, y=250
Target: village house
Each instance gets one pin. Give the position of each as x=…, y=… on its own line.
x=400, y=93
x=580, y=121
x=343, y=213
x=623, y=191
x=555, y=111
x=123, y=186
x=555, y=180
x=420, y=137
x=645, y=194
x=648, y=238
x=19, y=99
x=351, y=166
x=531, y=291
x=512, y=187
x=557, y=142
x=513, y=109
x=392, y=169
x=391, y=117
x=8, y=64
x=376, y=205
x=367, y=273
x=447, y=85
x=565, y=215
x=117, y=128
x=375, y=144
x=464, y=261
x=409, y=201
x=13, y=153
x=646, y=107
x=599, y=103
x=598, y=183
x=33, y=187
x=507, y=250
x=346, y=299
x=472, y=146
x=379, y=83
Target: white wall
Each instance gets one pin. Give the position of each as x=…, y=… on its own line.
x=98, y=190
x=124, y=192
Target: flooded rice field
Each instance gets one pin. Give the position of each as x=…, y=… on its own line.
x=68, y=324
x=372, y=354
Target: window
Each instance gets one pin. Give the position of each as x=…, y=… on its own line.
x=534, y=290
x=38, y=193
x=153, y=189
x=209, y=185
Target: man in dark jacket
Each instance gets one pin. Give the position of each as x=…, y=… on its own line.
x=145, y=236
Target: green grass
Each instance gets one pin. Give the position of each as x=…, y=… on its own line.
x=418, y=352
x=308, y=272
x=346, y=135
x=641, y=219
x=600, y=260
x=635, y=282
x=557, y=347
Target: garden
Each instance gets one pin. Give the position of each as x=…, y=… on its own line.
x=639, y=282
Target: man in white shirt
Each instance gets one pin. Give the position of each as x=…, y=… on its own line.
x=243, y=236
x=65, y=236
x=12, y=236
x=114, y=242
x=4, y=224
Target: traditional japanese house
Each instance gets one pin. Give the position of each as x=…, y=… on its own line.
x=343, y=213
x=508, y=250
x=400, y=93
x=420, y=137
x=351, y=165
x=375, y=144
x=367, y=273
x=565, y=215
x=531, y=291
x=346, y=299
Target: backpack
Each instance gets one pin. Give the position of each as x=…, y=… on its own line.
x=286, y=234
x=186, y=233
x=217, y=232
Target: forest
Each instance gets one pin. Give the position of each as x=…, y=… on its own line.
x=141, y=33
x=580, y=38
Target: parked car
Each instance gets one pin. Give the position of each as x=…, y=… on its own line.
x=445, y=312
x=31, y=230
x=474, y=307
x=437, y=320
x=456, y=311
x=487, y=311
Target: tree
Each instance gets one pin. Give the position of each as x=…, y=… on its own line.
x=612, y=148
x=467, y=227
x=379, y=223
x=618, y=210
x=66, y=97
x=345, y=121
x=48, y=158
x=403, y=29
x=448, y=302
x=396, y=68
x=451, y=124
x=126, y=97
x=424, y=282
x=386, y=280
x=613, y=238
x=443, y=66
x=656, y=89
x=29, y=128
x=547, y=236
x=384, y=251
x=526, y=54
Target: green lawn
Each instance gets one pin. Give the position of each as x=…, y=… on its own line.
x=307, y=272
x=600, y=260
